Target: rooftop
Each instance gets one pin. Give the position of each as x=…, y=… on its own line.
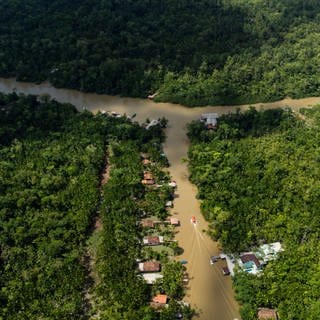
x=151, y=278
x=174, y=221
x=250, y=257
x=147, y=181
x=147, y=223
x=210, y=119
x=160, y=298
x=169, y=203
x=153, y=240
x=269, y=251
x=267, y=314
x=149, y=266
x=146, y=162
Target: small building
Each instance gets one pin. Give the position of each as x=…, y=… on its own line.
x=250, y=263
x=148, y=182
x=147, y=178
x=147, y=224
x=149, y=266
x=169, y=204
x=174, y=221
x=151, y=278
x=247, y=257
x=210, y=119
x=172, y=184
x=269, y=251
x=153, y=240
x=267, y=314
x=145, y=162
x=160, y=299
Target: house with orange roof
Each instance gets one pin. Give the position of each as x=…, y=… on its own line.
x=160, y=298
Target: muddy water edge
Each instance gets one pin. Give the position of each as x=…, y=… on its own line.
x=209, y=291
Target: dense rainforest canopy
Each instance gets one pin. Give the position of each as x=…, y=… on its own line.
x=258, y=179
x=192, y=52
x=50, y=161
x=51, y=158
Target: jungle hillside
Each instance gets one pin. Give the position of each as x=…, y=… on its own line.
x=190, y=52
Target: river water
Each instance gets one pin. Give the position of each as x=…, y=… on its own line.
x=209, y=291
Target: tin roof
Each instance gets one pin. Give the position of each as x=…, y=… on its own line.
x=149, y=266
x=250, y=257
x=160, y=298
x=267, y=314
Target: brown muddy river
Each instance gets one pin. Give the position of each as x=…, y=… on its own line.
x=209, y=291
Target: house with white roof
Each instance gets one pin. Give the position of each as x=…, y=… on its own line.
x=253, y=261
x=210, y=119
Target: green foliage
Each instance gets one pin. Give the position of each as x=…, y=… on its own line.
x=258, y=179
x=26, y=116
x=51, y=158
x=120, y=285
x=171, y=283
x=121, y=292
x=49, y=169
x=190, y=52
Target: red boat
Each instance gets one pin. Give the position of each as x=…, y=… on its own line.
x=193, y=220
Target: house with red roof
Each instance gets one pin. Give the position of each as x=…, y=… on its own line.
x=250, y=263
x=153, y=240
x=159, y=301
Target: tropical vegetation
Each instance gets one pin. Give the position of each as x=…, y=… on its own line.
x=51, y=159
x=258, y=180
x=190, y=52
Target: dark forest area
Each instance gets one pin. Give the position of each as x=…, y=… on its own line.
x=190, y=52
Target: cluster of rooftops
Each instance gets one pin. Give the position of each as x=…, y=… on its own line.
x=253, y=261
x=150, y=270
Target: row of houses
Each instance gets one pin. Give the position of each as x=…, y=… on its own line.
x=150, y=270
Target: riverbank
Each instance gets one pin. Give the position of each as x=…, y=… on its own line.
x=142, y=107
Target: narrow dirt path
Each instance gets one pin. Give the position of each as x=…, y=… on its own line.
x=92, y=278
